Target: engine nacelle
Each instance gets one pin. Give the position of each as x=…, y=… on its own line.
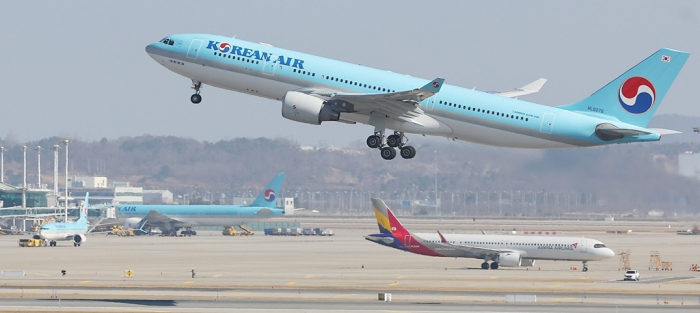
x=79, y=238
x=509, y=259
x=301, y=107
x=132, y=223
x=527, y=262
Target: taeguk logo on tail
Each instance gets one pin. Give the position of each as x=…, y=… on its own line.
x=637, y=95
x=269, y=195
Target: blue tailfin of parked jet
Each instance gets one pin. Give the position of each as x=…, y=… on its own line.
x=268, y=196
x=84, y=211
x=634, y=96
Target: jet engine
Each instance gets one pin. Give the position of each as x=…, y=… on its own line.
x=509, y=259
x=79, y=238
x=301, y=107
x=527, y=262
x=132, y=223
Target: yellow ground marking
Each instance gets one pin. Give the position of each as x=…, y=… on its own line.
x=554, y=286
x=217, y=276
x=400, y=277
x=564, y=299
x=347, y=295
x=309, y=276
x=493, y=277
x=291, y=283
x=393, y=284
x=187, y=282
x=86, y=281
x=42, y=274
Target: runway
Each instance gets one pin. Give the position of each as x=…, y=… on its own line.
x=343, y=273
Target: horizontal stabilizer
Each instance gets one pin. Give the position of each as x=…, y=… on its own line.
x=663, y=131
x=530, y=88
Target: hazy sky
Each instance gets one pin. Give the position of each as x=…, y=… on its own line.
x=78, y=69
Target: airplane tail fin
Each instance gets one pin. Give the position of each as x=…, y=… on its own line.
x=84, y=210
x=387, y=221
x=268, y=197
x=634, y=96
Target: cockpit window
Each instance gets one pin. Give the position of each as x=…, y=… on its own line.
x=599, y=245
x=167, y=41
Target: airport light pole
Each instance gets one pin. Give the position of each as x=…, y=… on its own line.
x=55, y=172
x=24, y=184
x=2, y=164
x=38, y=166
x=65, y=142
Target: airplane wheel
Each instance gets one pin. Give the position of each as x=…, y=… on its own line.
x=196, y=98
x=75, y=244
x=393, y=140
x=408, y=152
x=484, y=266
x=494, y=265
x=585, y=269
x=388, y=153
x=374, y=141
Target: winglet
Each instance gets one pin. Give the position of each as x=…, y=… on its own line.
x=433, y=86
x=442, y=238
x=530, y=88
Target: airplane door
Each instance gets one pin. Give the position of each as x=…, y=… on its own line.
x=584, y=246
x=269, y=67
x=193, y=51
x=547, y=122
x=431, y=102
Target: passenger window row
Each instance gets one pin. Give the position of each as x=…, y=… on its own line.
x=350, y=82
x=304, y=72
x=459, y=106
x=235, y=57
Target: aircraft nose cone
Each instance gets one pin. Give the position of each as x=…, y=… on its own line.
x=153, y=49
x=609, y=253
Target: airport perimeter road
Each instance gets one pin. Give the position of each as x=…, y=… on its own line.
x=345, y=270
x=93, y=305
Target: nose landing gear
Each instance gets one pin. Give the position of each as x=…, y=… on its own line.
x=196, y=98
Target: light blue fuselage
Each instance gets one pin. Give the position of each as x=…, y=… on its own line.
x=454, y=112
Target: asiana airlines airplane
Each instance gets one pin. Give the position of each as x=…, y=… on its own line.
x=315, y=89
x=500, y=250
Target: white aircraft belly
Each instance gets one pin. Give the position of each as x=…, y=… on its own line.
x=222, y=221
x=496, y=137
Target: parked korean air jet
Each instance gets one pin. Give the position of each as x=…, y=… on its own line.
x=314, y=89
x=170, y=218
x=67, y=231
x=500, y=250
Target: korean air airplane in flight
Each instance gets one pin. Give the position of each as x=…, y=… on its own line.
x=170, y=218
x=67, y=231
x=500, y=250
x=315, y=89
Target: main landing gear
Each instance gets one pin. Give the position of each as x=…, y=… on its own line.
x=196, y=98
x=485, y=265
x=387, y=150
x=584, y=268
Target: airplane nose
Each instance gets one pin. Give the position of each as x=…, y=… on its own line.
x=610, y=253
x=151, y=49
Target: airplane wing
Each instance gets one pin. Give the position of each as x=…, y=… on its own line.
x=158, y=219
x=472, y=249
x=401, y=105
x=530, y=88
